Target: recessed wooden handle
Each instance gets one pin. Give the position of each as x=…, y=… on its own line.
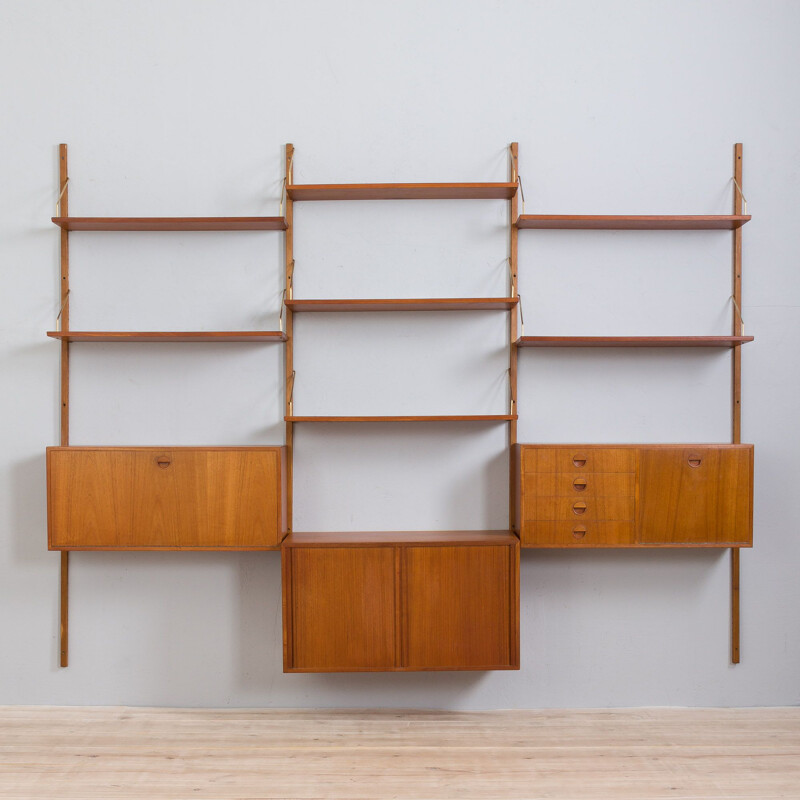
x=579, y=532
x=579, y=461
x=579, y=484
x=579, y=508
x=163, y=461
x=694, y=460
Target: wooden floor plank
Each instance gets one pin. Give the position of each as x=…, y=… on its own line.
x=636, y=754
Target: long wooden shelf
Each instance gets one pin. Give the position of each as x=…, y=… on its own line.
x=440, y=418
x=413, y=304
x=416, y=538
x=637, y=222
x=171, y=223
x=168, y=336
x=402, y=191
x=632, y=341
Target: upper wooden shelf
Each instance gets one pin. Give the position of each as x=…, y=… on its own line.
x=171, y=223
x=402, y=191
x=631, y=223
x=415, y=538
x=441, y=418
x=415, y=304
x=632, y=341
x=168, y=336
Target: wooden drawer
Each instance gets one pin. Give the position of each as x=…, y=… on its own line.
x=589, y=484
x=578, y=534
x=165, y=498
x=400, y=601
x=696, y=495
x=577, y=458
x=579, y=508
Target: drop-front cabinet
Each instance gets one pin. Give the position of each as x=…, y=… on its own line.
x=400, y=601
x=685, y=495
x=166, y=498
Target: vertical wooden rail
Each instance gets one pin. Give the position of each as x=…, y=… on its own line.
x=512, y=326
x=289, y=352
x=63, y=211
x=736, y=401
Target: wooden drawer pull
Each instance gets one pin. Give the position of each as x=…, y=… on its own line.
x=579, y=531
x=163, y=462
x=579, y=508
x=579, y=461
x=694, y=460
x=579, y=484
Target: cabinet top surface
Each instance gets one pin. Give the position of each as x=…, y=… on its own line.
x=372, y=538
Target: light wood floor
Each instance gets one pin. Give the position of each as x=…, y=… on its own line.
x=514, y=755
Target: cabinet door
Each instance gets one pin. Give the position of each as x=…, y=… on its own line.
x=696, y=495
x=339, y=609
x=461, y=607
x=153, y=498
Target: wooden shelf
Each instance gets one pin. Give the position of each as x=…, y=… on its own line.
x=416, y=304
x=631, y=222
x=168, y=336
x=171, y=223
x=402, y=191
x=444, y=418
x=632, y=341
x=416, y=538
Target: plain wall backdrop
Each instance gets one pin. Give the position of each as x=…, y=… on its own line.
x=172, y=107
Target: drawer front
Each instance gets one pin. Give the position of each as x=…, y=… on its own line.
x=696, y=495
x=578, y=459
x=577, y=534
x=579, y=484
x=580, y=508
x=164, y=498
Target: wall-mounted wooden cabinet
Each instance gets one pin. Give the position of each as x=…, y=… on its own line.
x=166, y=498
x=400, y=601
x=634, y=495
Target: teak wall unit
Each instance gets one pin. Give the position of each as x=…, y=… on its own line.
x=398, y=601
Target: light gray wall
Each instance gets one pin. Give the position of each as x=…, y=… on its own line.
x=182, y=108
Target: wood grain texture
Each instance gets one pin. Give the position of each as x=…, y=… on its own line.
x=457, y=608
x=407, y=304
x=436, y=418
x=699, y=495
x=578, y=458
x=288, y=251
x=632, y=341
x=168, y=336
x=400, y=601
x=171, y=498
x=577, y=533
x=402, y=191
x=343, y=609
x=68, y=223
x=648, y=222
x=123, y=753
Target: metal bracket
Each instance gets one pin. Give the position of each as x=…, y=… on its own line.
x=741, y=194
x=60, y=195
x=61, y=310
x=290, y=389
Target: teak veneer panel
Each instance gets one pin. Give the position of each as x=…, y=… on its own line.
x=168, y=336
x=696, y=495
x=632, y=341
x=458, y=607
x=400, y=601
x=171, y=223
x=342, y=608
x=647, y=222
x=166, y=498
x=402, y=191
x=413, y=304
